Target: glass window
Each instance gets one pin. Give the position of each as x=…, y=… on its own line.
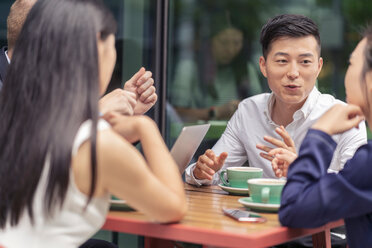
x=135, y=48
x=4, y=11
x=133, y=39
x=213, y=53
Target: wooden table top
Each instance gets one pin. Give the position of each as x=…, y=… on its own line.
x=206, y=224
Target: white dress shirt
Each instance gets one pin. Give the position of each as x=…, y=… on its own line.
x=252, y=121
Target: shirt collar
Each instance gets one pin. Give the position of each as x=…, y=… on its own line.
x=6, y=55
x=304, y=111
x=269, y=107
x=310, y=102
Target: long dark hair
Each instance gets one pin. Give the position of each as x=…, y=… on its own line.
x=51, y=88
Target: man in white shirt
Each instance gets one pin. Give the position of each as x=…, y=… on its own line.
x=291, y=63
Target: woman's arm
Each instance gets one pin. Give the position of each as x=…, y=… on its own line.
x=152, y=186
x=313, y=197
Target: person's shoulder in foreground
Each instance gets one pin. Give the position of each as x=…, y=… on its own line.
x=312, y=197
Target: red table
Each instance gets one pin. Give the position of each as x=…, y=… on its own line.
x=205, y=224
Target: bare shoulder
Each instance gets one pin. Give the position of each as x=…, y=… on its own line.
x=111, y=151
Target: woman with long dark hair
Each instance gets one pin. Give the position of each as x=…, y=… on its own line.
x=59, y=162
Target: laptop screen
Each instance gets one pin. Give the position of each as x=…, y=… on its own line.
x=187, y=143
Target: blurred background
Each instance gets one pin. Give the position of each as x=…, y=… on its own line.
x=204, y=53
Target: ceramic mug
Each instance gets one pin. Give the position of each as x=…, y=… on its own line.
x=266, y=190
x=237, y=176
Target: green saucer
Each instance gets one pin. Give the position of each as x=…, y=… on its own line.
x=233, y=190
x=247, y=202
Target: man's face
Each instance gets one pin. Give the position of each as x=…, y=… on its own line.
x=291, y=67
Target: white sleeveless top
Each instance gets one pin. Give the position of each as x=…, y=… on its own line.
x=69, y=226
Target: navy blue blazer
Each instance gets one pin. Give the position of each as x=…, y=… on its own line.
x=313, y=197
x=3, y=65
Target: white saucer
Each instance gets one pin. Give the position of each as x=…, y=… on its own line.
x=119, y=204
x=247, y=202
x=115, y=202
x=233, y=190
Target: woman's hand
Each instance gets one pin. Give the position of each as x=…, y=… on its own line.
x=339, y=118
x=121, y=101
x=128, y=126
x=142, y=85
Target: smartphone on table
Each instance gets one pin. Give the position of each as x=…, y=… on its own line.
x=243, y=215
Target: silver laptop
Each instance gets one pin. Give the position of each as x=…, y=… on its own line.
x=187, y=143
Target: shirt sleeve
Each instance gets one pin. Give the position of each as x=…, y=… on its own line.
x=190, y=178
x=347, y=143
x=230, y=143
x=313, y=197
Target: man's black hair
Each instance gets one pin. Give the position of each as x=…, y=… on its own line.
x=294, y=26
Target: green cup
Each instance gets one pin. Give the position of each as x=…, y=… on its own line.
x=266, y=190
x=237, y=176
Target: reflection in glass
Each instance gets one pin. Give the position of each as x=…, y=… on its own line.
x=211, y=68
x=212, y=77
x=213, y=52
